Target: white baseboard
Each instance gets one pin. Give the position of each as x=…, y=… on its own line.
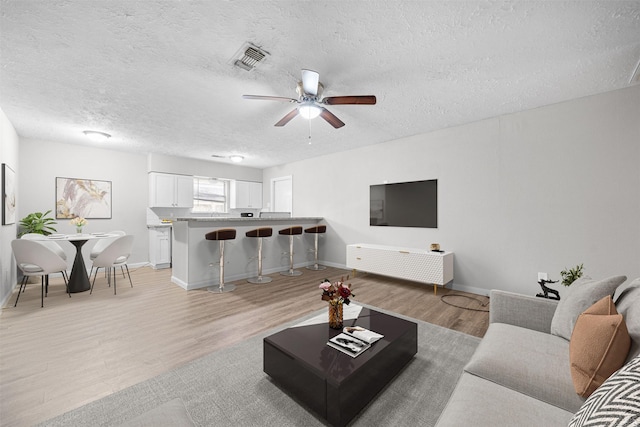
x=451, y=285
x=470, y=289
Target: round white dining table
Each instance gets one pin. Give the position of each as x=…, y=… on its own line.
x=79, y=279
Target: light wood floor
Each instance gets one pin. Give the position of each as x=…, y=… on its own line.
x=79, y=349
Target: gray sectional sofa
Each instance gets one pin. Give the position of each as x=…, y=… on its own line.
x=520, y=374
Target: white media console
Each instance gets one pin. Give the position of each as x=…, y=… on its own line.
x=419, y=265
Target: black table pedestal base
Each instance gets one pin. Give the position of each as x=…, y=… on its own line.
x=79, y=280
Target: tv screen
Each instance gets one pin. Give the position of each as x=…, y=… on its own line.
x=404, y=204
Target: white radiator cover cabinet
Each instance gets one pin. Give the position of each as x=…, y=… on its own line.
x=415, y=264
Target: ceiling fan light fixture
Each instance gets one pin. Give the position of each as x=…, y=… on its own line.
x=309, y=110
x=96, y=136
x=236, y=158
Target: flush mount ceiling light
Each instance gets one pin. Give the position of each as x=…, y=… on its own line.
x=94, y=135
x=309, y=110
x=236, y=158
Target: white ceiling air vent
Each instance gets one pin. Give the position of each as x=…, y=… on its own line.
x=249, y=56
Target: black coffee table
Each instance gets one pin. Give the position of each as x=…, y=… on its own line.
x=333, y=384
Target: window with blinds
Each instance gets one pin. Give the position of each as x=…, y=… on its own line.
x=210, y=195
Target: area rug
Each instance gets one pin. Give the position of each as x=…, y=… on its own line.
x=229, y=388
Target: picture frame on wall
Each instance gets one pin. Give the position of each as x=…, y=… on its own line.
x=8, y=195
x=88, y=198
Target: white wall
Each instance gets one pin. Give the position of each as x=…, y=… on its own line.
x=531, y=192
x=42, y=161
x=211, y=169
x=8, y=155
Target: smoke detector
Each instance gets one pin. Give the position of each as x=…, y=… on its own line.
x=249, y=56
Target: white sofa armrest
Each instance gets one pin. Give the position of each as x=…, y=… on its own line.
x=521, y=310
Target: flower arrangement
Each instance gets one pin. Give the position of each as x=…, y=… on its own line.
x=336, y=292
x=79, y=221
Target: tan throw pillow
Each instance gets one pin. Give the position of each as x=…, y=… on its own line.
x=599, y=346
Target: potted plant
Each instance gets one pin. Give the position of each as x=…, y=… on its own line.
x=37, y=222
x=571, y=275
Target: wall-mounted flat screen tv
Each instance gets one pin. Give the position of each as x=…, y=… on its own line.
x=404, y=204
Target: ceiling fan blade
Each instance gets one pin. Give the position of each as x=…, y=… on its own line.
x=286, y=119
x=269, y=98
x=345, y=100
x=331, y=118
x=310, y=81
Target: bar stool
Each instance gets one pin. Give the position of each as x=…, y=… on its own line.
x=221, y=235
x=318, y=229
x=291, y=231
x=260, y=233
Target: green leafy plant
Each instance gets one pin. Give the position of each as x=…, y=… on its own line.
x=37, y=222
x=571, y=275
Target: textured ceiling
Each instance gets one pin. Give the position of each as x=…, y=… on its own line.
x=158, y=75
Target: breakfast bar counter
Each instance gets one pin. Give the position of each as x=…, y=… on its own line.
x=195, y=260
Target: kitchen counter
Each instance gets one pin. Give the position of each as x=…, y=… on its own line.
x=167, y=224
x=247, y=219
x=195, y=259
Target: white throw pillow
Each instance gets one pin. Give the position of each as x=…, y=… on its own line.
x=582, y=294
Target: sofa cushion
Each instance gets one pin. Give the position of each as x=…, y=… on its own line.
x=599, y=346
x=582, y=294
x=478, y=402
x=627, y=301
x=530, y=362
x=614, y=403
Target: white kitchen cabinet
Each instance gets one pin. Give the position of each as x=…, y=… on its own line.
x=246, y=194
x=170, y=191
x=160, y=247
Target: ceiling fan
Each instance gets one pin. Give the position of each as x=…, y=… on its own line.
x=311, y=104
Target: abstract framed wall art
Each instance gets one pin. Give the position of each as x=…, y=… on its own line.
x=88, y=198
x=8, y=195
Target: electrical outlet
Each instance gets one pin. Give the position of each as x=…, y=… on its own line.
x=542, y=276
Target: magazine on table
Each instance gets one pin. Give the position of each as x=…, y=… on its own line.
x=348, y=344
x=362, y=334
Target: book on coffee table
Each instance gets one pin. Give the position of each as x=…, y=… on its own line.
x=362, y=334
x=348, y=344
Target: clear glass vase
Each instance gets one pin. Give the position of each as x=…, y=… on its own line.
x=78, y=230
x=335, y=315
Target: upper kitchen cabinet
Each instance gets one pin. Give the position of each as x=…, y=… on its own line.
x=246, y=194
x=170, y=191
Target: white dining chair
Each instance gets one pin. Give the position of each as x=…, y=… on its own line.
x=42, y=239
x=102, y=244
x=114, y=255
x=35, y=259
